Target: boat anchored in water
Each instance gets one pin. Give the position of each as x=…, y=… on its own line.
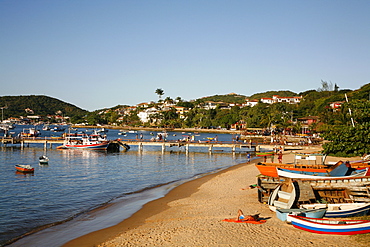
x=24, y=168
x=43, y=160
x=84, y=141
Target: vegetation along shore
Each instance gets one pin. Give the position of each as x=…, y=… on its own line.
x=335, y=114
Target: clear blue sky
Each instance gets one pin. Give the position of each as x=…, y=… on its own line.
x=101, y=53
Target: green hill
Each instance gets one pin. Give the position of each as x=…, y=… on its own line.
x=15, y=106
x=269, y=94
x=227, y=98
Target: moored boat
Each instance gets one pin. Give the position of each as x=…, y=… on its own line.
x=326, y=226
x=84, y=141
x=262, y=154
x=30, y=132
x=24, y=168
x=43, y=160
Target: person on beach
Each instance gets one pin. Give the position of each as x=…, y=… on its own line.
x=248, y=157
x=242, y=217
x=280, y=157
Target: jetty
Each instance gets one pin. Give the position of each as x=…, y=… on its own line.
x=210, y=145
x=115, y=145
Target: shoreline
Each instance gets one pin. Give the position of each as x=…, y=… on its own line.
x=149, y=209
x=219, y=131
x=192, y=213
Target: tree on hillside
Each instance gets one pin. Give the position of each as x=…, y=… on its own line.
x=346, y=140
x=159, y=92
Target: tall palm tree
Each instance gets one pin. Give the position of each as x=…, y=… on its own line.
x=159, y=92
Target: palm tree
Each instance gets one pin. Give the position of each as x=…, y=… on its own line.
x=160, y=92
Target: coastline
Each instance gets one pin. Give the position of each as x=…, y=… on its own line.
x=148, y=210
x=219, y=131
x=192, y=213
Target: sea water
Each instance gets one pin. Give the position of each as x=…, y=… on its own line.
x=81, y=191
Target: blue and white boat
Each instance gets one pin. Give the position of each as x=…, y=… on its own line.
x=300, y=174
x=327, y=226
x=282, y=214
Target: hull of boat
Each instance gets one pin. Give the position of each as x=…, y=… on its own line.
x=271, y=171
x=284, y=196
x=24, y=170
x=341, y=210
x=290, y=174
x=312, y=213
x=335, y=227
x=100, y=146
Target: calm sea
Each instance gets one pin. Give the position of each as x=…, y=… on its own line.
x=81, y=191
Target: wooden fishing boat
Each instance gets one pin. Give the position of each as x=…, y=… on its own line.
x=269, y=169
x=262, y=154
x=326, y=226
x=282, y=214
x=284, y=196
x=330, y=190
x=340, y=210
x=339, y=172
x=43, y=160
x=24, y=168
x=84, y=141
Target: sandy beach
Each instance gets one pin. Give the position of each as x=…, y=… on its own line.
x=192, y=214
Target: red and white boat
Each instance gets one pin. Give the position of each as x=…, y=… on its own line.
x=24, y=168
x=84, y=141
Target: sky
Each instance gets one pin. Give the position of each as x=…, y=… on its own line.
x=101, y=53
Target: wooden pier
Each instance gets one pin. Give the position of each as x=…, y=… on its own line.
x=127, y=143
x=168, y=144
x=234, y=145
x=47, y=141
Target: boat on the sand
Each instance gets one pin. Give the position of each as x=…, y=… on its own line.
x=329, y=226
x=282, y=214
x=340, y=210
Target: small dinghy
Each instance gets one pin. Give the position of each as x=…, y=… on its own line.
x=43, y=160
x=24, y=168
x=282, y=214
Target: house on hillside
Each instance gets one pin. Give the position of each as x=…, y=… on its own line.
x=180, y=110
x=145, y=114
x=208, y=105
x=278, y=99
x=336, y=105
x=250, y=103
x=306, y=123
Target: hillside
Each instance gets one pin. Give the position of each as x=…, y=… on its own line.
x=37, y=105
x=227, y=98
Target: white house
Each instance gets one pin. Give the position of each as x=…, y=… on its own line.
x=145, y=114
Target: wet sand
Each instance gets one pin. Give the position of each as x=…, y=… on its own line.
x=192, y=214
